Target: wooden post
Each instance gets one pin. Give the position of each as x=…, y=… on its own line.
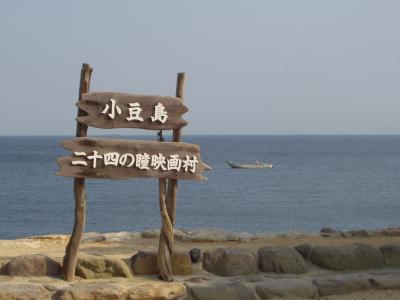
x=71, y=253
x=176, y=137
x=166, y=242
x=168, y=206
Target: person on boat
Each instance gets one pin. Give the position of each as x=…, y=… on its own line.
x=257, y=162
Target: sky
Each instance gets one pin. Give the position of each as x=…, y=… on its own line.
x=252, y=67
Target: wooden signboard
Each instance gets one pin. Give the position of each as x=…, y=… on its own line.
x=119, y=110
x=123, y=159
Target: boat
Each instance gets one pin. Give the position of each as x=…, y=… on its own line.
x=256, y=165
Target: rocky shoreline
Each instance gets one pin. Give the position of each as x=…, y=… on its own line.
x=208, y=264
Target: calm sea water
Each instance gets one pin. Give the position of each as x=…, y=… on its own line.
x=346, y=182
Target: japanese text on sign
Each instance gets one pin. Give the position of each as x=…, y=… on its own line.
x=134, y=110
x=143, y=161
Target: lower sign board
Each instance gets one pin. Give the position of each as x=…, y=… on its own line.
x=123, y=159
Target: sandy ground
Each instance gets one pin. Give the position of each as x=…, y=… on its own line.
x=54, y=245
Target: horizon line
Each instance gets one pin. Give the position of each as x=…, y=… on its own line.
x=209, y=134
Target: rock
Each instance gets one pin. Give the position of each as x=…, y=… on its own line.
x=385, y=282
x=120, y=236
x=2, y=267
x=347, y=234
x=286, y=288
x=391, y=255
x=354, y=257
x=179, y=234
x=93, y=237
x=196, y=255
x=356, y=233
x=23, y=292
x=182, y=264
x=197, y=279
x=155, y=233
x=330, y=232
x=97, y=266
x=391, y=231
x=145, y=263
x=50, y=287
x=281, y=259
x=215, y=235
x=250, y=278
x=92, y=291
x=54, y=238
x=304, y=250
x=32, y=265
x=339, y=285
x=151, y=233
x=221, y=290
x=263, y=235
x=230, y=261
x=158, y=291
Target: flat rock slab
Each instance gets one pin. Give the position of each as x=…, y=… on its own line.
x=97, y=266
x=230, y=261
x=340, y=258
x=359, y=233
x=391, y=255
x=340, y=285
x=286, y=288
x=157, y=291
x=221, y=290
x=390, y=281
x=214, y=235
x=31, y=265
x=92, y=291
x=115, y=291
x=151, y=233
x=155, y=233
x=23, y=292
x=92, y=237
x=391, y=231
x=95, y=237
x=330, y=233
x=281, y=259
x=145, y=263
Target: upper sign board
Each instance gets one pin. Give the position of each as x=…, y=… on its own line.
x=119, y=110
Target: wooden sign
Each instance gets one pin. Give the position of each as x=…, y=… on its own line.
x=123, y=159
x=119, y=110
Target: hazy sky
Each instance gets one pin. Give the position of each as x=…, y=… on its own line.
x=253, y=67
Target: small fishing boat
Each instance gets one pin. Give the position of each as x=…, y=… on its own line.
x=256, y=165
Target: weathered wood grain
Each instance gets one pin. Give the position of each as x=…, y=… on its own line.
x=176, y=137
x=71, y=252
x=102, y=146
x=168, y=205
x=94, y=104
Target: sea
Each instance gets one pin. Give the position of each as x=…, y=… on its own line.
x=339, y=181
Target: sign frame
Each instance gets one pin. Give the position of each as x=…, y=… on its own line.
x=168, y=184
